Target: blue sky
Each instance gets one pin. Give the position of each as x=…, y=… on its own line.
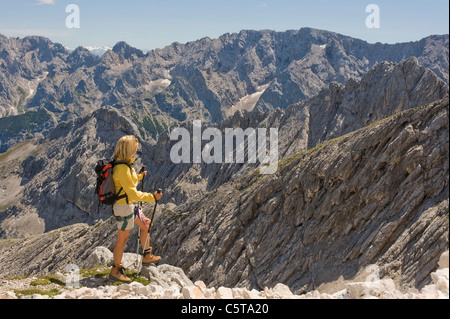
x=154, y=24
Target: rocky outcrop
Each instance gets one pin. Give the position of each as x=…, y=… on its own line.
x=375, y=196
x=339, y=202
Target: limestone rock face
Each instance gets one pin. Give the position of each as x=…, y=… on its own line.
x=374, y=196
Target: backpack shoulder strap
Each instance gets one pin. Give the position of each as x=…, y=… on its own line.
x=114, y=162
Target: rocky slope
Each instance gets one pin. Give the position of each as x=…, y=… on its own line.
x=52, y=185
x=386, y=89
x=208, y=78
x=377, y=196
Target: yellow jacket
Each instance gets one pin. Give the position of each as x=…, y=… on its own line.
x=128, y=179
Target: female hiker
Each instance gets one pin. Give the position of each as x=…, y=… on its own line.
x=126, y=180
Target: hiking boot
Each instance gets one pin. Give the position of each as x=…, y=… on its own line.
x=118, y=274
x=149, y=258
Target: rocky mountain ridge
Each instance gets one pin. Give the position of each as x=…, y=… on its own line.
x=209, y=78
x=67, y=155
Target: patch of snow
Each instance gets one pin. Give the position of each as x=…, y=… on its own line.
x=247, y=102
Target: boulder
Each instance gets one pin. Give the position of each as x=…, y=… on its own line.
x=100, y=255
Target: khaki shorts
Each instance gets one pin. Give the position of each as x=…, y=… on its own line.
x=124, y=216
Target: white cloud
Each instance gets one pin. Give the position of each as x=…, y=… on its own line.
x=46, y=1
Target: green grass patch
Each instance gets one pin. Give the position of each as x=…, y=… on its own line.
x=99, y=271
x=18, y=278
x=47, y=280
x=135, y=277
x=102, y=271
x=32, y=291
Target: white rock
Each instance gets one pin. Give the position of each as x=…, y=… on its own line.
x=238, y=293
x=443, y=260
x=116, y=295
x=171, y=293
x=109, y=290
x=100, y=255
x=124, y=287
x=60, y=296
x=10, y=295
x=313, y=295
x=281, y=291
x=341, y=294
x=155, y=290
x=378, y=289
x=135, y=286
x=200, y=284
x=99, y=294
x=252, y=294
x=130, y=261
x=82, y=291
x=439, y=289
x=224, y=293
x=87, y=296
x=70, y=295
x=209, y=293
x=192, y=292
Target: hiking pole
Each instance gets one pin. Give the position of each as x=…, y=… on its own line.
x=154, y=210
x=138, y=211
x=147, y=238
x=143, y=178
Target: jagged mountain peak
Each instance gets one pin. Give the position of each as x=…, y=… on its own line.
x=82, y=57
x=126, y=51
x=80, y=50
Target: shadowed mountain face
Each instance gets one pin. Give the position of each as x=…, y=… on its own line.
x=208, y=79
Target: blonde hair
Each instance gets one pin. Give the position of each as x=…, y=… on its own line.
x=126, y=148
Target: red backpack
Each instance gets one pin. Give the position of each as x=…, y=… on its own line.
x=106, y=189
